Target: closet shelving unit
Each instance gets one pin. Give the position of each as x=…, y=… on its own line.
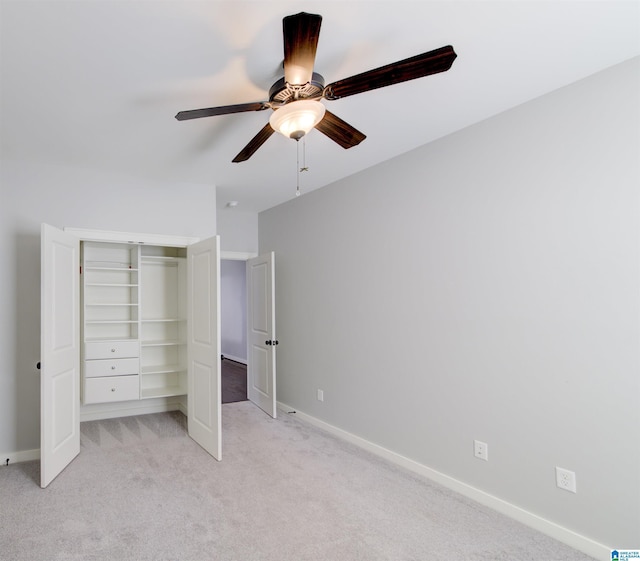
x=110, y=321
x=163, y=322
x=134, y=322
x=111, y=292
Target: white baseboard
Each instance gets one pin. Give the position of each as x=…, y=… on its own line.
x=235, y=358
x=22, y=456
x=560, y=533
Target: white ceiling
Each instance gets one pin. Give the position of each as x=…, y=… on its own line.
x=96, y=84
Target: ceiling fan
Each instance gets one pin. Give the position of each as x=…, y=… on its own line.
x=295, y=98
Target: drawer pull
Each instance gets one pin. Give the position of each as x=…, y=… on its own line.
x=113, y=350
x=113, y=368
x=113, y=389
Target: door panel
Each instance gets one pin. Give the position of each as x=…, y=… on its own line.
x=260, y=363
x=59, y=352
x=203, y=335
x=261, y=367
x=202, y=409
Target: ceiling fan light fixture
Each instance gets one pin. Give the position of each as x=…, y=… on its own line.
x=295, y=97
x=297, y=118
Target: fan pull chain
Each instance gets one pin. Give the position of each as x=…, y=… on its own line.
x=304, y=162
x=298, y=168
x=304, y=155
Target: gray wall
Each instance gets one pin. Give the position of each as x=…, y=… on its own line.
x=233, y=309
x=485, y=286
x=238, y=230
x=32, y=193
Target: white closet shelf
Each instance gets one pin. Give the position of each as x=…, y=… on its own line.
x=105, y=321
x=118, y=269
x=166, y=391
x=163, y=369
x=161, y=259
x=163, y=343
x=162, y=320
x=109, y=304
x=118, y=284
x=108, y=339
x=106, y=263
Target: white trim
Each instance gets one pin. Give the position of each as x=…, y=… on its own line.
x=22, y=456
x=236, y=255
x=129, y=237
x=235, y=359
x=560, y=533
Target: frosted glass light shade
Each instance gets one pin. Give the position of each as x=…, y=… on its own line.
x=297, y=118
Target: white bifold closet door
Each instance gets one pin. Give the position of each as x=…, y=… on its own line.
x=203, y=345
x=59, y=351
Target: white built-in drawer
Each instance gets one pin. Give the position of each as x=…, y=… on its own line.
x=114, y=388
x=111, y=349
x=113, y=367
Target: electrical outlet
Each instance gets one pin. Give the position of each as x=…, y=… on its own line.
x=481, y=450
x=320, y=395
x=566, y=479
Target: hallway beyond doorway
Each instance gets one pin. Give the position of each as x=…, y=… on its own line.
x=233, y=381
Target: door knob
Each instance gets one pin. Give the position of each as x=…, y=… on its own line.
x=271, y=342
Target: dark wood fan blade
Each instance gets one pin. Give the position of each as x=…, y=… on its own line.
x=418, y=66
x=255, y=143
x=222, y=110
x=301, y=32
x=339, y=131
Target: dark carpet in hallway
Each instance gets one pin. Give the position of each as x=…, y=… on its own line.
x=234, y=381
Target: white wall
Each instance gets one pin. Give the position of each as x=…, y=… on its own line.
x=233, y=309
x=32, y=193
x=485, y=286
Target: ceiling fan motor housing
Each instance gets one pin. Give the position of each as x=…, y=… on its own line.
x=282, y=92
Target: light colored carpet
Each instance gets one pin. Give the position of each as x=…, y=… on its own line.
x=285, y=491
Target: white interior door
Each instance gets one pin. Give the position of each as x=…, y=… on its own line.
x=59, y=352
x=203, y=341
x=262, y=342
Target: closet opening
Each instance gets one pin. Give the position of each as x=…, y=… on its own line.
x=138, y=334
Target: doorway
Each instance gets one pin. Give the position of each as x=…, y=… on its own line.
x=260, y=326
x=233, y=330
